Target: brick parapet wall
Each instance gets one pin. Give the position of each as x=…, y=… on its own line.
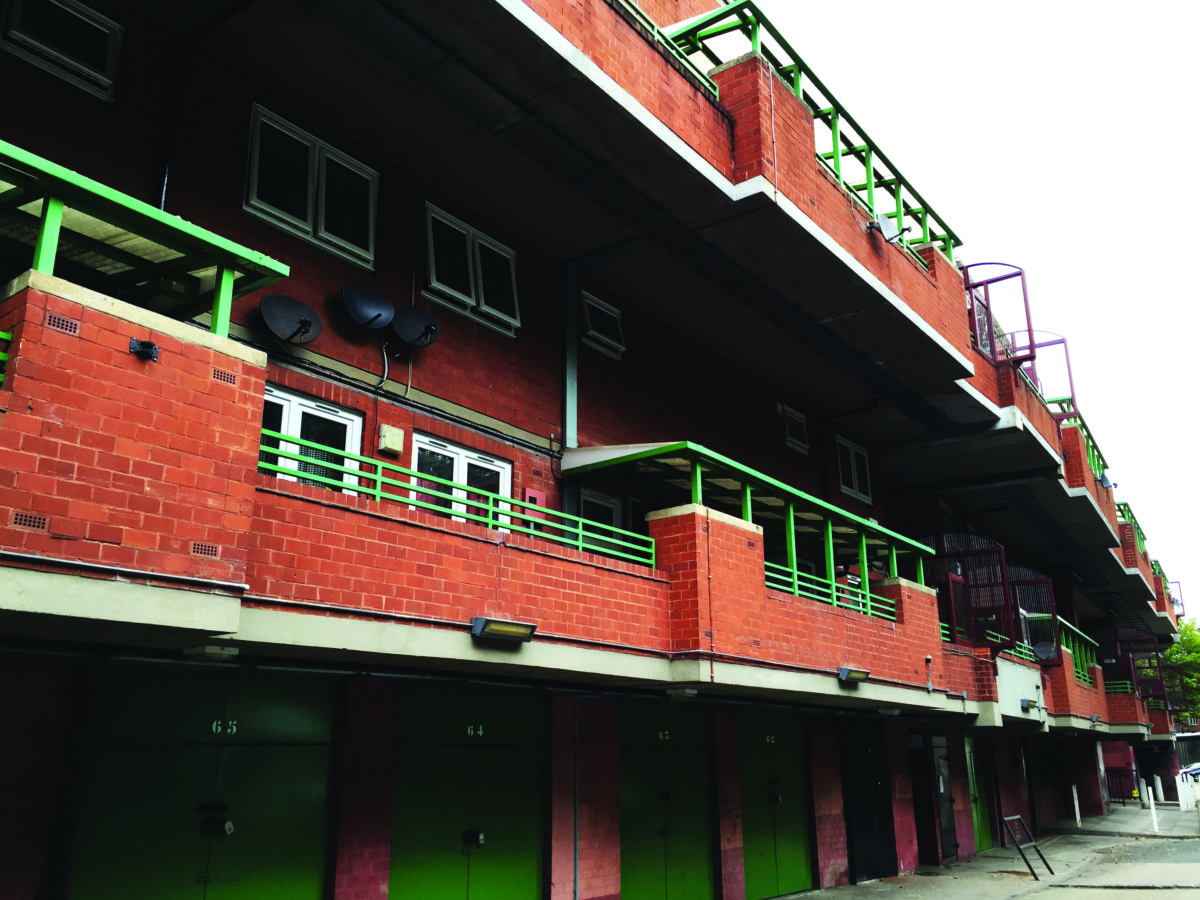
x=130, y=463
x=1064, y=695
x=1160, y=721
x=773, y=136
x=1078, y=473
x=1124, y=709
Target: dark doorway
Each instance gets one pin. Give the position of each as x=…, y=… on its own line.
x=870, y=827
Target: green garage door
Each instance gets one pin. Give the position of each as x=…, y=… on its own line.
x=209, y=786
x=776, y=806
x=469, y=795
x=666, y=802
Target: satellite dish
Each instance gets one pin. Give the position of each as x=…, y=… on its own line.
x=290, y=320
x=366, y=305
x=1045, y=650
x=415, y=327
x=886, y=226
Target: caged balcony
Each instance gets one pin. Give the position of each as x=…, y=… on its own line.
x=986, y=601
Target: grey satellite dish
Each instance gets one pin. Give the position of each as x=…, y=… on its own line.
x=887, y=227
x=1045, y=650
x=415, y=327
x=290, y=320
x=366, y=305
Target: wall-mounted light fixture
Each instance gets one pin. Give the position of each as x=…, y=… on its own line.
x=1094, y=719
x=144, y=349
x=1027, y=705
x=500, y=630
x=847, y=675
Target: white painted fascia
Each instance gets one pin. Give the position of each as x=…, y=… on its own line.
x=759, y=185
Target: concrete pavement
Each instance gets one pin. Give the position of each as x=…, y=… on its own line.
x=1106, y=858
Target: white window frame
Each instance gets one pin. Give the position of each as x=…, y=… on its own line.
x=596, y=339
x=855, y=451
x=294, y=407
x=45, y=56
x=606, y=500
x=462, y=456
x=473, y=305
x=795, y=429
x=312, y=227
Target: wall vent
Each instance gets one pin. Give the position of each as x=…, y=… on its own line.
x=224, y=377
x=62, y=323
x=755, y=642
x=29, y=520
x=212, y=551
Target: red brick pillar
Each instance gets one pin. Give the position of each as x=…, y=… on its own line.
x=364, y=838
x=729, y=805
x=903, y=814
x=833, y=856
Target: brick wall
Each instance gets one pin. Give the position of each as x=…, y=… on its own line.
x=1078, y=472
x=903, y=814
x=127, y=462
x=367, y=779
x=599, y=801
x=960, y=787
x=833, y=857
x=1011, y=786
x=729, y=805
x=1064, y=695
x=1123, y=709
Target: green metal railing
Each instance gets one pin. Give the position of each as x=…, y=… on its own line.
x=95, y=236
x=1022, y=650
x=1082, y=649
x=1156, y=704
x=338, y=470
x=5, y=342
x=1067, y=415
x=662, y=39
x=1125, y=516
x=821, y=589
x=962, y=632
x=1118, y=687
x=843, y=146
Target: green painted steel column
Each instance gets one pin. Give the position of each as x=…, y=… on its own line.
x=46, y=249
x=222, y=301
x=835, y=125
x=747, y=509
x=791, y=547
x=864, y=571
x=893, y=563
x=830, y=568
x=920, y=570
x=697, y=485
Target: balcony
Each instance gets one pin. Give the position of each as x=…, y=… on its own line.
x=57, y=222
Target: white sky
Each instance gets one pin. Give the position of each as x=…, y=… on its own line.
x=1056, y=136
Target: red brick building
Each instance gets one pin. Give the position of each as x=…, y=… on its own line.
x=524, y=448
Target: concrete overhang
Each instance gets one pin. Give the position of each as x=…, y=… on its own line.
x=492, y=106
x=1082, y=726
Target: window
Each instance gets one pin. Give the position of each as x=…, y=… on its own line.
x=450, y=462
x=795, y=428
x=310, y=420
x=65, y=38
x=604, y=509
x=306, y=187
x=602, y=327
x=854, y=467
x=472, y=273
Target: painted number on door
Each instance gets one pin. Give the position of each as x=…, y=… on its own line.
x=664, y=735
x=224, y=726
x=474, y=731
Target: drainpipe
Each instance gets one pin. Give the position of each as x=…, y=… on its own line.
x=571, y=344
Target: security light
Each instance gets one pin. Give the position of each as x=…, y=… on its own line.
x=1094, y=719
x=847, y=675
x=500, y=630
x=1027, y=705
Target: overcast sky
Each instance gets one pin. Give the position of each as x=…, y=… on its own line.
x=1056, y=136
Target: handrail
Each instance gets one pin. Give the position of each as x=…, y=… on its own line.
x=1069, y=416
x=1082, y=648
x=1118, y=687
x=176, y=248
x=844, y=596
x=1125, y=516
x=340, y=470
x=847, y=141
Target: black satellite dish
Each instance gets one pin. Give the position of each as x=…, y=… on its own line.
x=366, y=305
x=290, y=320
x=1044, y=650
x=415, y=327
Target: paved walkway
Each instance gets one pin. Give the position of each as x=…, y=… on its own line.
x=1100, y=860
